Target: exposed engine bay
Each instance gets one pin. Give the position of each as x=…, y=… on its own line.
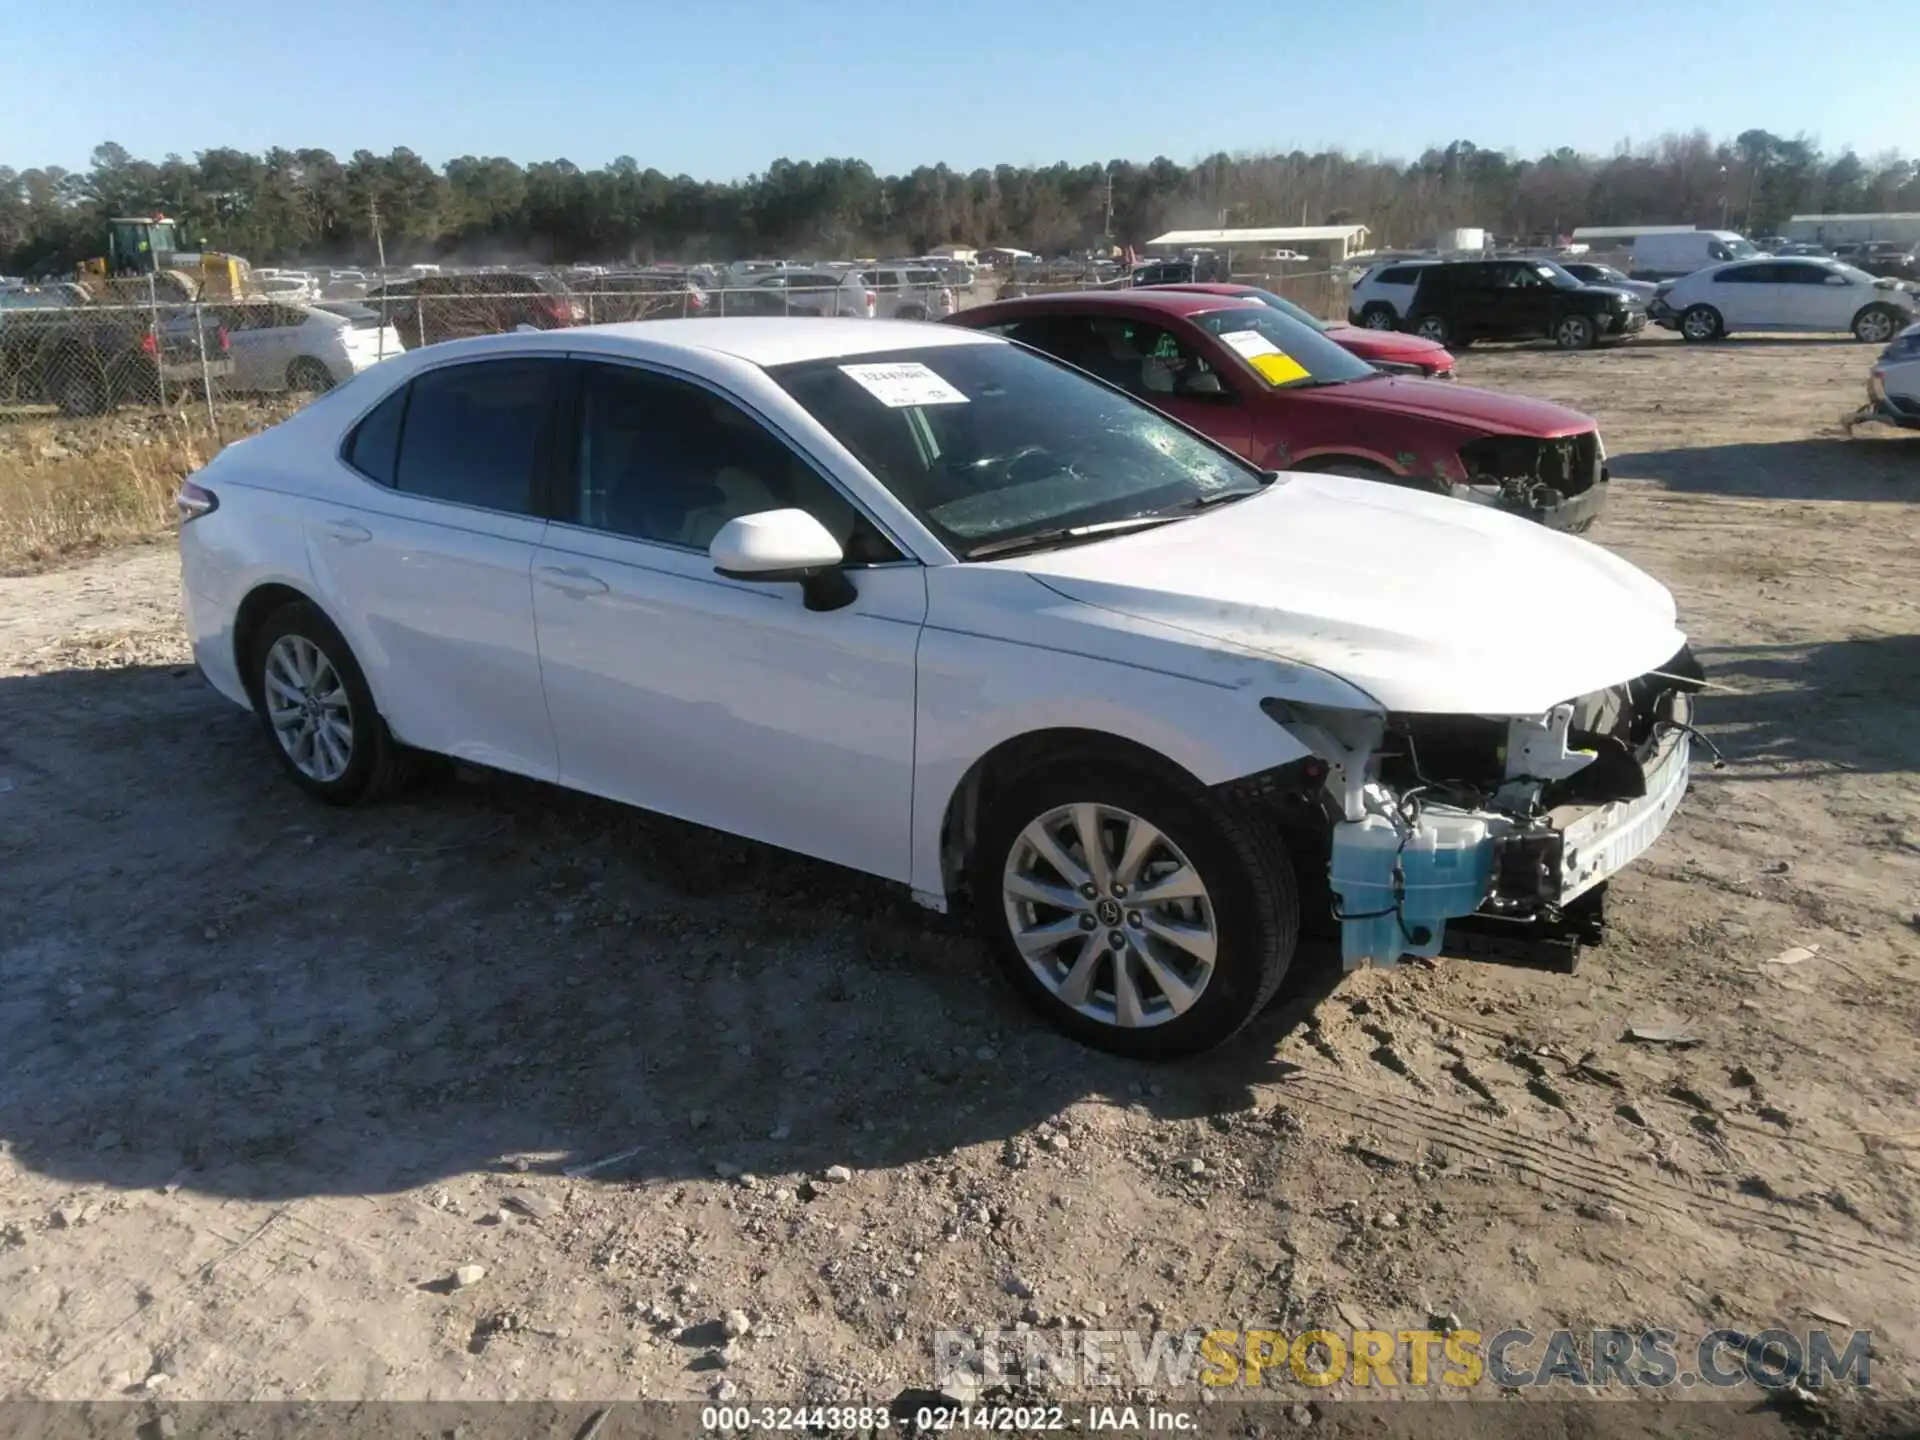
x=1437, y=818
x=1532, y=476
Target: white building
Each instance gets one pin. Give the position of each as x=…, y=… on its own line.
x=1331, y=242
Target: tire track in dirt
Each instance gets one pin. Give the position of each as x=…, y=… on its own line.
x=1416, y=1119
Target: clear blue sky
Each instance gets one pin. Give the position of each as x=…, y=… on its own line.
x=718, y=88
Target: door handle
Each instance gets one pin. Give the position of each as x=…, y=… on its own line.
x=571, y=580
x=347, y=532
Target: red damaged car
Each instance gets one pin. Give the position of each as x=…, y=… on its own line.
x=1287, y=397
x=1385, y=350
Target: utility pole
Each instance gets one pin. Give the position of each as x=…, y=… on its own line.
x=1107, y=230
x=379, y=245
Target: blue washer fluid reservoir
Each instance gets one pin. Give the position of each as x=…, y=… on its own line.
x=1446, y=870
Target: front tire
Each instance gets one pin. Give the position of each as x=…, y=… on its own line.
x=1701, y=323
x=1575, y=332
x=1875, y=325
x=1378, y=317
x=317, y=712
x=1137, y=914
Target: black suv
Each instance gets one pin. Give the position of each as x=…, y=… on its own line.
x=1459, y=301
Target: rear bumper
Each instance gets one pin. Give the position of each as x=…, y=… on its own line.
x=184, y=370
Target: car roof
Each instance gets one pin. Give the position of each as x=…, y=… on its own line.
x=774, y=340
x=1213, y=287
x=1166, y=301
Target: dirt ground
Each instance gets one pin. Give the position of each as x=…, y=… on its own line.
x=267, y=1071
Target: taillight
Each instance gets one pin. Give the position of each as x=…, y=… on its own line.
x=225, y=343
x=193, y=501
x=149, y=345
x=557, y=311
x=871, y=297
x=696, y=301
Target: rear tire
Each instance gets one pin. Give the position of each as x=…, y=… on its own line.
x=1436, y=329
x=1232, y=905
x=1701, y=323
x=80, y=388
x=309, y=374
x=1876, y=325
x=317, y=711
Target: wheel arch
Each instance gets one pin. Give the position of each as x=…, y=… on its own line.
x=254, y=608
x=1021, y=755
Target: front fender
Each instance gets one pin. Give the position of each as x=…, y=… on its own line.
x=1012, y=658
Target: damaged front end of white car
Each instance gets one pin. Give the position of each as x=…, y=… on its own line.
x=1489, y=835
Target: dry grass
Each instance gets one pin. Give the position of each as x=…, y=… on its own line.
x=69, y=487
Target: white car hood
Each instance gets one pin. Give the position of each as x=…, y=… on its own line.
x=1428, y=604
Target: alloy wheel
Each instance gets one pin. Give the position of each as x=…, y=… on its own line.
x=1110, y=915
x=1874, y=327
x=308, y=708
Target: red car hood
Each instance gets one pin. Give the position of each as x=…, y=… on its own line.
x=1388, y=345
x=1468, y=406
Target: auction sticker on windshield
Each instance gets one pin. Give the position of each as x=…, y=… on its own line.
x=902, y=384
x=1275, y=366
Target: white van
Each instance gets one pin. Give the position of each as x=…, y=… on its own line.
x=1670, y=255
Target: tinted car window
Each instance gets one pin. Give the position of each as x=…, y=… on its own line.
x=374, y=444
x=665, y=460
x=1741, y=275
x=473, y=433
x=991, y=444
x=1804, y=274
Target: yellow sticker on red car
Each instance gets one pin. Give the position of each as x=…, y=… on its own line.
x=1278, y=368
x=1273, y=364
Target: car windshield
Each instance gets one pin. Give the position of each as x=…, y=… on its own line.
x=1281, y=350
x=1289, y=309
x=1738, y=249
x=1556, y=277
x=990, y=445
x=1853, y=273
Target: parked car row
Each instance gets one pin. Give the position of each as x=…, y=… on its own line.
x=58, y=348
x=974, y=613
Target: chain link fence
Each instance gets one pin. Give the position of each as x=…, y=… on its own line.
x=235, y=365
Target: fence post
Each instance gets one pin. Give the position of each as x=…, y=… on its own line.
x=159, y=356
x=420, y=301
x=206, y=371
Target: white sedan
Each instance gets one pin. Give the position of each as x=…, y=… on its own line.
x=298, y=347
x=918, y=601
x=1893, y=387
x=1785, y=294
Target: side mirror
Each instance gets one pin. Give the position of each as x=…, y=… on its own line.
x=1203, y=383
x=776, y=546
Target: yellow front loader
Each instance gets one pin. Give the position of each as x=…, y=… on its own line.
x=144, y=259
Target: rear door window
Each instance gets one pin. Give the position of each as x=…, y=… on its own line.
x=475, y=434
